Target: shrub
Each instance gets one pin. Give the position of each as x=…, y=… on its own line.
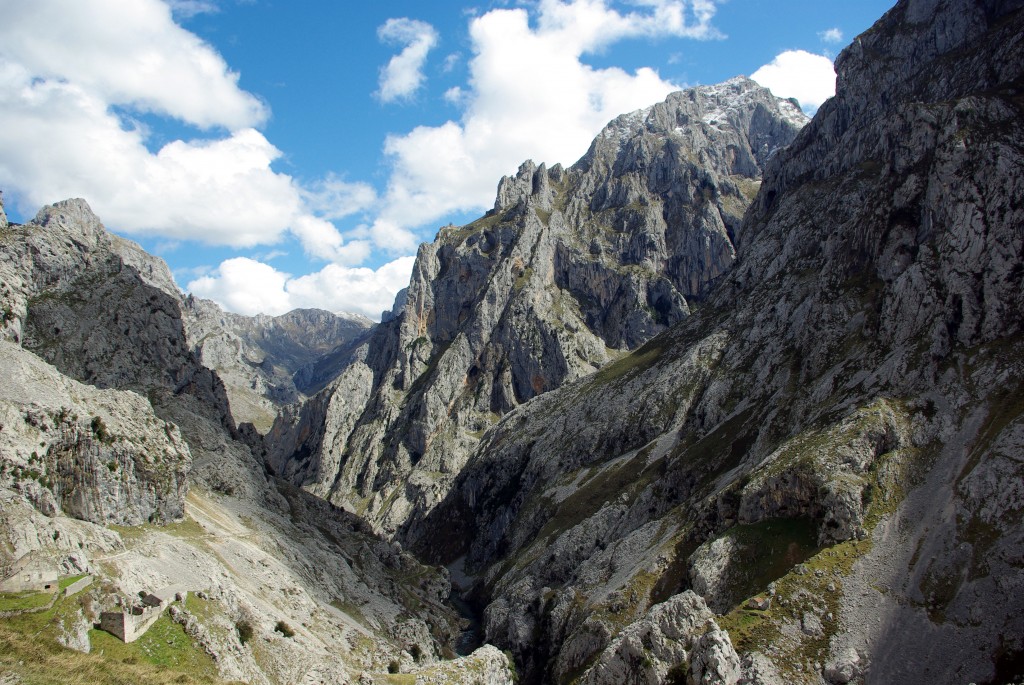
x=393, y=667
x=245, y=631
x=284, y=629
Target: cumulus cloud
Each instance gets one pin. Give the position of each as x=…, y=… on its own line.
x=249, y=287
x=190, y=8
x=68, y=69
x=334, y=198
x=550, y=116
x=832, y=35
x=129, y=54
x=809, y=78
x=403, y=75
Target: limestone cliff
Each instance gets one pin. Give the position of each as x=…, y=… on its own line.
x=108, y=415
x=832, y=439
x=267, y=361
x=570, y=269
x=98, y=455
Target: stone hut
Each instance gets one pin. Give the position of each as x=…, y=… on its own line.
x=32, y=572
x=131, y=623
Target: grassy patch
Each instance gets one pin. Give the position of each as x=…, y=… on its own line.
x=803, y=589
x=44, y=662
x=165, y=645
x=29, y=648
x=350, y=609
x=396, y=678
x=767, y=550
x=639, y=361
x=71, y=580
x=20, y=601
x=605, y=486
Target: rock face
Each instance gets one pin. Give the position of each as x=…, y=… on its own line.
x=108, y=415
x=846, y=395
x=98, y=455
x=267, y=361
x=571, y=268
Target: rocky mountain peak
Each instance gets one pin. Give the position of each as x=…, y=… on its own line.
x=570, y=269
x=530, y=184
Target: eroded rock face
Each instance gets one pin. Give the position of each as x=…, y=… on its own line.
x=570, y=268
x=269, y=361
x=852, y=369
x=657, y=647
x=98, y=455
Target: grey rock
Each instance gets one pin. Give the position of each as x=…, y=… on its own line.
x=667, y=636
x=810, y=624
x=571, y=267
x=844, y=668
x=713, y=660
x=98, y=455
x=854, y=367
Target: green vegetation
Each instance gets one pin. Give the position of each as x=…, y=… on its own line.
x=186, y=529
x=523, y=278
x=99, y=429
x=245, y=631
x=608, y=484
x=767, y=550
x=804, y=589
x=29, y=649
x=284, y=629
x=22, y=601
x=639, y=361
x=165, y=645
x=350, y=609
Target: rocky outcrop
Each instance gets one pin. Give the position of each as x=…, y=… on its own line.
x=571, y=268
x=269, y=361
x=657, y=648
x=98, y=455
x=841, y=398
x=108, y=414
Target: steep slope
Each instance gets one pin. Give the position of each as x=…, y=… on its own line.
x=117, y=416
x=837, y=427
x=268, y=361
x=569, y=270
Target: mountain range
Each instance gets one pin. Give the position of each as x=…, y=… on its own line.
x=735, y=398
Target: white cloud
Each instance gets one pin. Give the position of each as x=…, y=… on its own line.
x=128, y=54
x=832, y=35
x=403, y=75
x=247, y=286
x=809, y=78
x=451, y=61
x=335, y=198
x=454, y=95
x=66, y=69
x=190, y=8
x=550, y=116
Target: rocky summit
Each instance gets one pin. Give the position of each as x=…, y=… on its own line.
x=571, y=269
x=735, y=398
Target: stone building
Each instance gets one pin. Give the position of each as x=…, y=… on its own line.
x=32, y=572
x=131, y=623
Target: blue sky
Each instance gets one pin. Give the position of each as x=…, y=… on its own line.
x=281, y=154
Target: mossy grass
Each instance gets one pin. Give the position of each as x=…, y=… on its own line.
x=165, y=654
x=23, y=601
